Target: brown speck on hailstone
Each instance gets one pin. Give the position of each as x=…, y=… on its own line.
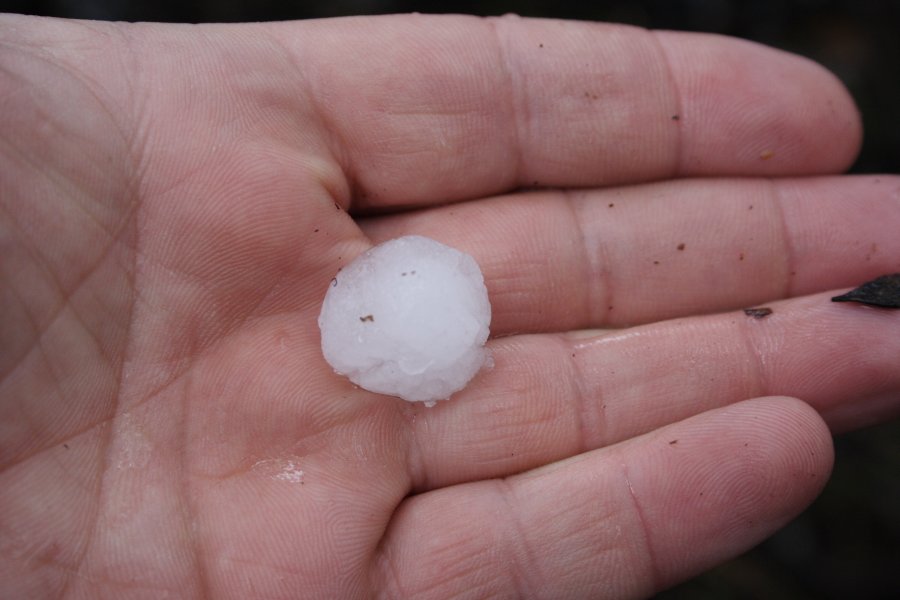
x=368, y=318
x=334, y=282
x=758, y=313
x=883, y=292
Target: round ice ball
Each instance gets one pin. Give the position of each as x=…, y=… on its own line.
x=408, y=318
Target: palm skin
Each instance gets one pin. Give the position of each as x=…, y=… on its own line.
x=175, y=201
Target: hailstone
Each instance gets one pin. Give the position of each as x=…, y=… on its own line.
x=408, y=318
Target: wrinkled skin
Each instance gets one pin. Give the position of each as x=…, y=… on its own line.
x=174, y=201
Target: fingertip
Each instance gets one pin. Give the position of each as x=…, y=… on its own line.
x=793, y=430
x=719, y=483
x=790, y=114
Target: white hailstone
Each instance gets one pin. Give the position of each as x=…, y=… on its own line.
x=408, y=318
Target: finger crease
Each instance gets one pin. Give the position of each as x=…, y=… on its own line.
x=759, y=379
x=521, y=581
x=590, y=268
x=653, y=562
x=518, y=109
x=678, y=143
x=415, y=454
x=591, y=430
x=787, y=247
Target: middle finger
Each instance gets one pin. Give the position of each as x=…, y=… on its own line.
x=556, y=261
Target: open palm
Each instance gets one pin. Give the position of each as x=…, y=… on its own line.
x=174, y=201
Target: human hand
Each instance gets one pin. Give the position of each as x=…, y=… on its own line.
x=174, y=201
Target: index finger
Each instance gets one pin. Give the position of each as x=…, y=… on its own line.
x=424, y=109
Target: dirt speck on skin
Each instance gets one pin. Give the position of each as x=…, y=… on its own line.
x=873, y=250
x=673, y=442
x=681, y=246
x=758, y=313
x=766, y=154
x=676, y=117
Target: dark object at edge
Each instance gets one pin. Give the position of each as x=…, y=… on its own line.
x=883, y=291
x=758, y=313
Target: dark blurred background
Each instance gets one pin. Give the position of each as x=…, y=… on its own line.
x=847, y=545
